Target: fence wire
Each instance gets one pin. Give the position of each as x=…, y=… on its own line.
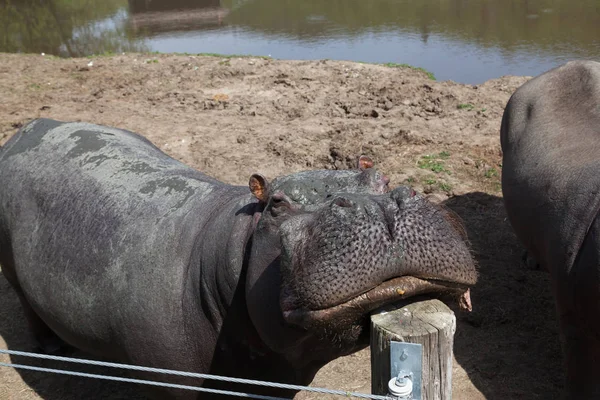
x=177, y=373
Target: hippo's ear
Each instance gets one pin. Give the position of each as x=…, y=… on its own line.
x=259, y=186
x=365, y=162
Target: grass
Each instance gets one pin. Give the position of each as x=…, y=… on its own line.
x=434, y=162
x=444, y=186
x=490, y=173
x=465, y=106
x=429, y=74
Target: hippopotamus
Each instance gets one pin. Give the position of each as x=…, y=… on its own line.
x=550, y=138
x=123, y=252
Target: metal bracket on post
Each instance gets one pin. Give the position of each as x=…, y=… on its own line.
x=406, y=359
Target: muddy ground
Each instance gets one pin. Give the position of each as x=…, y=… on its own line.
x=231, y=117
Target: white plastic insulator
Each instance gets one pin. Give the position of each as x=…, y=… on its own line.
x=401, y=392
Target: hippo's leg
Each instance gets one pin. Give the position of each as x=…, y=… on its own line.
x=47, y=341
x=530, y=261
x=578, y=303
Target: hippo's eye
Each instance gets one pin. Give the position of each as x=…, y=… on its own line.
x=342, y=202
x=279, y=200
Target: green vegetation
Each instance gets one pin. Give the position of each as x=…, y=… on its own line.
x=491, y=172
x=429, y=74
x=431, y=181
x=434, y=162
x=467, y=106
x=446, y=187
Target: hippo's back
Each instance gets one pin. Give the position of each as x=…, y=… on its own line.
x=99, y=225
x=550, y=138
x=55, y=153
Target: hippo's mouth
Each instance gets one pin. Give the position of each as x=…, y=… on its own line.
x=387, y=292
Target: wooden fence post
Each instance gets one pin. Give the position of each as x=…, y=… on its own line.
x=429, y=323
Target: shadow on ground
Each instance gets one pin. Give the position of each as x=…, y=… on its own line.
x=509, y=344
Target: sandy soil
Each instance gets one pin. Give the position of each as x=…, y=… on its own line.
x=233, y=117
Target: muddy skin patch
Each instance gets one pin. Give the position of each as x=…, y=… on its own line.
x=173, y=184
x=87, y=142
x=138, y=168
x=97, y=160
x=31, y=136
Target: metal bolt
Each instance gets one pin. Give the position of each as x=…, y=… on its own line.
x=403, y=378
x=401, y=386
x=403, y=356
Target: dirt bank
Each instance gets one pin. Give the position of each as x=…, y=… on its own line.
x=231, y=117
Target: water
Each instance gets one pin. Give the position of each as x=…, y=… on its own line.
x=467, y=41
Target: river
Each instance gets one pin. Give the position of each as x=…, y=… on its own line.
x=467, y=41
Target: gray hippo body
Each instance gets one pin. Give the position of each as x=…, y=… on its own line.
x=119, y=250
x=550, y=138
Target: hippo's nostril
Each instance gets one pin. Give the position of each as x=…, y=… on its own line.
x=342, y=202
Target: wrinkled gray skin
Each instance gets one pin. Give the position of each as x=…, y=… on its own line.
x=550, y=139
x=123, y=252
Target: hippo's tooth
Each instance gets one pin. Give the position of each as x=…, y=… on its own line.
x=465, y=301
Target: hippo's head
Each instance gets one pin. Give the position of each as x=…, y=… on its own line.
x=332, y=246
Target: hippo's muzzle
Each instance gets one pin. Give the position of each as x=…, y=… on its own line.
x=368, y=251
